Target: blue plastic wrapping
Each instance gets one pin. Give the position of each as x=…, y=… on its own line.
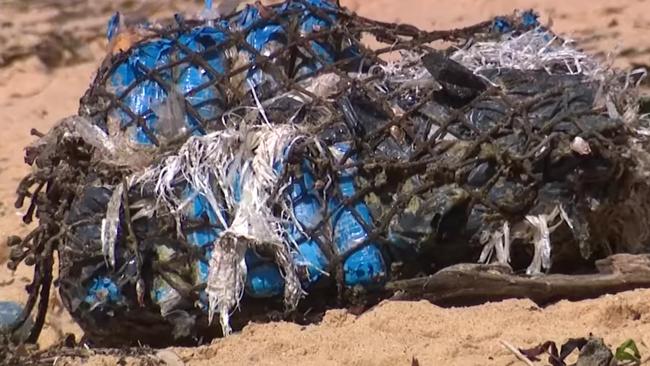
x=200, y=210
x=267, y=36
x=149, y=94
x=501, y=25
x=263, y=279
x=264, y=37
x=113, y=26
x=313, y=22
x=103, y=291
x=366, y=265
x=527, y=20
x=142, y=97
x=206, y=101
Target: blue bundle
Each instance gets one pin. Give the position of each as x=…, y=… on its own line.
x=131, y=81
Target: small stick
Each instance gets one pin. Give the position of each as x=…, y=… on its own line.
x=37, y=133
x=516, y=352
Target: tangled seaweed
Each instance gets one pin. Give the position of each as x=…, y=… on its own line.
x=315, y=154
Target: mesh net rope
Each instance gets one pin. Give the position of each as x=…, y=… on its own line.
x=271, y=156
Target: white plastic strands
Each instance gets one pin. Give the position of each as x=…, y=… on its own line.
x=532, y=50
x=111, y=223
x=499, y=243
x=235, y=170
x=407, y=72
x=536, y=228
x=542, y=242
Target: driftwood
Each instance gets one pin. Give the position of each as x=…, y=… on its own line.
x=476, y=283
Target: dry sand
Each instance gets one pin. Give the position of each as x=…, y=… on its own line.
x=32, y=95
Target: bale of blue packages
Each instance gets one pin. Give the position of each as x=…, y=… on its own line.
x=271, y=160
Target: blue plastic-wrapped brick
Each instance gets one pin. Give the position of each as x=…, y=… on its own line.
x=144, y=96
x=267, y=36
x=194, y=80
x=264, y=36
x=263, y=279
x=323, y=19
x=139, y=93
x=365, y=266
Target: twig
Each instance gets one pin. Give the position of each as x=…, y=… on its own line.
x=516, y=352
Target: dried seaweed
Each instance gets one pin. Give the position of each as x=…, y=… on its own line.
x=592, y=351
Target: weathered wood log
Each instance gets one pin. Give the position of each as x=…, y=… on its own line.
x=477, y=283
